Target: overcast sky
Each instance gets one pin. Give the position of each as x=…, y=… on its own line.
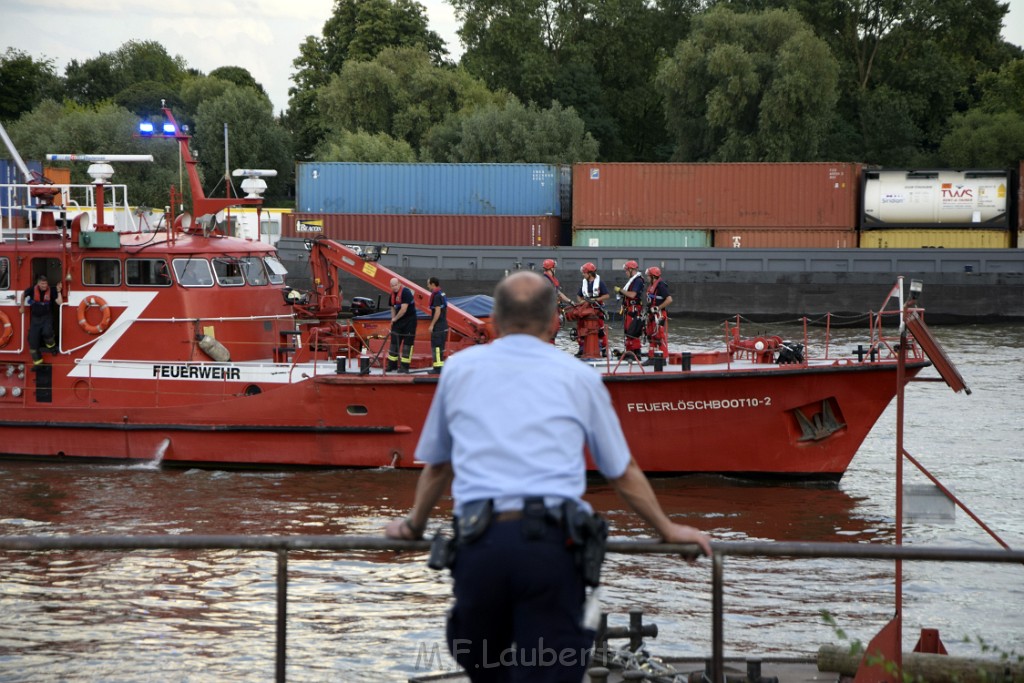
x=262, y=36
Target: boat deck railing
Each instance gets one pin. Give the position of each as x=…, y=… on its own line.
x=283, y=545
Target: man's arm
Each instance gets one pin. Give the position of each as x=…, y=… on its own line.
x=636, y=490
x=433, y=481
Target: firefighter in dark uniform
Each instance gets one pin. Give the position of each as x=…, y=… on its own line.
x=438, y=324
x=41, y=300
x=403, y=327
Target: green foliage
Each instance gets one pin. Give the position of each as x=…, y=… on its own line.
x=363, y=146
x=239, y=76
x=135, y=62
x=104, y=128
x=400, y=94
x=254, y=138
x=598, y=57
x=979, y=139
x=147, y=98
x=358, y=30
x=24, y=83
x=516, y=134
x=749, y=87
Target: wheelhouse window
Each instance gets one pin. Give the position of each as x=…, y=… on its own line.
x=147, y=272
x=193, y=272
x=5, y=273
x=228, y=271
x=101, y=272
x=255, y=272
x=276, y=270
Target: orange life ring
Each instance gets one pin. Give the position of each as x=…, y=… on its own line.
x=6, y=329
x=83, y=308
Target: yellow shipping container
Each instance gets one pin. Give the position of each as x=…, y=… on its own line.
x=935, y=239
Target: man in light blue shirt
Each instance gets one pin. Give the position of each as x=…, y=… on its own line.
x=509, y=422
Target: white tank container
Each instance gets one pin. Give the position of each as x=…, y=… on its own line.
x=939, y=197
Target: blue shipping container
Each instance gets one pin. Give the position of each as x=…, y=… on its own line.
x=461, y=189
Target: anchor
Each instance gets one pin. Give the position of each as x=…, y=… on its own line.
x=820, y=425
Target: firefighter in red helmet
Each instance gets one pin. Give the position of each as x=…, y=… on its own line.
x=632, y=310
x=595, y=292
x=658, y=301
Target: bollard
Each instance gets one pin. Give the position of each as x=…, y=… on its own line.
x=364, y=362
x=339, y=367
x=598, y=674
x=659, y=360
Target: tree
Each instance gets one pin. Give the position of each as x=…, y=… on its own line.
x=990, y=134
x=239, y=76
x=401, y=93
x=749, y=87
x=925, y=54
x=514, y=133
x=106, y=128
x=103, y=77
x=984, y=140
x=255, y=139
x=357, y=30
x=363, y=146
x=24, y=83
x=598, y=57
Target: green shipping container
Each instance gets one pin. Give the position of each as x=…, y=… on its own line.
x=646, y=238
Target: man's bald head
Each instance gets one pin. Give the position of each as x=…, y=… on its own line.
x=525, y=303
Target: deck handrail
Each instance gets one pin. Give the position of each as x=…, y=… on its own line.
x=282, y=545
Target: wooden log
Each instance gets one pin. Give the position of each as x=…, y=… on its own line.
x=929, y=668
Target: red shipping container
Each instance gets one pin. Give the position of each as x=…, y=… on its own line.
x=751, y=195
x=492, y=231
x=778, y=238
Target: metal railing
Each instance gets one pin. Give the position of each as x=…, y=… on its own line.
x=282, y=545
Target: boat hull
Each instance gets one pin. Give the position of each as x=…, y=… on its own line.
x=799, y=423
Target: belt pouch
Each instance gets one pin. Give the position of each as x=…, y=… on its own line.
x=475, y=518
x=535, y=518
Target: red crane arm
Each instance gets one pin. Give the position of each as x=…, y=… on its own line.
x=327, y=255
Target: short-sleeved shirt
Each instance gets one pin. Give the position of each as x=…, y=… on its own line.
x=439, y=301
x=407, y=321
x=502, y=442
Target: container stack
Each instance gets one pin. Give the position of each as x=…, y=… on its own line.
x=443, y=204
x=741, y=205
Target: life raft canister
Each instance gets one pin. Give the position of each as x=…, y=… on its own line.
x=6, y=329
x=83, y=309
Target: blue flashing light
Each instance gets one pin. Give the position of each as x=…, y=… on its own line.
x=145, y=128
x=169, y=128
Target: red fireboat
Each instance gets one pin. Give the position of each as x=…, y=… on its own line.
x=181, y=344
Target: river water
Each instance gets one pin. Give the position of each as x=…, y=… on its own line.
x=209, y=616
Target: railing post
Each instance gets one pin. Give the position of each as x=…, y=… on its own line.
x=282, y=615
x=717, y=609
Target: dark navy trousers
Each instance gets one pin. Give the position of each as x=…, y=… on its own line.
x=518, y=608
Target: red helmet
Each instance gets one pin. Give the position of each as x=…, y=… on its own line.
x=588, y=268
x=654, y=271
x=631, y=265
x=549, y=263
